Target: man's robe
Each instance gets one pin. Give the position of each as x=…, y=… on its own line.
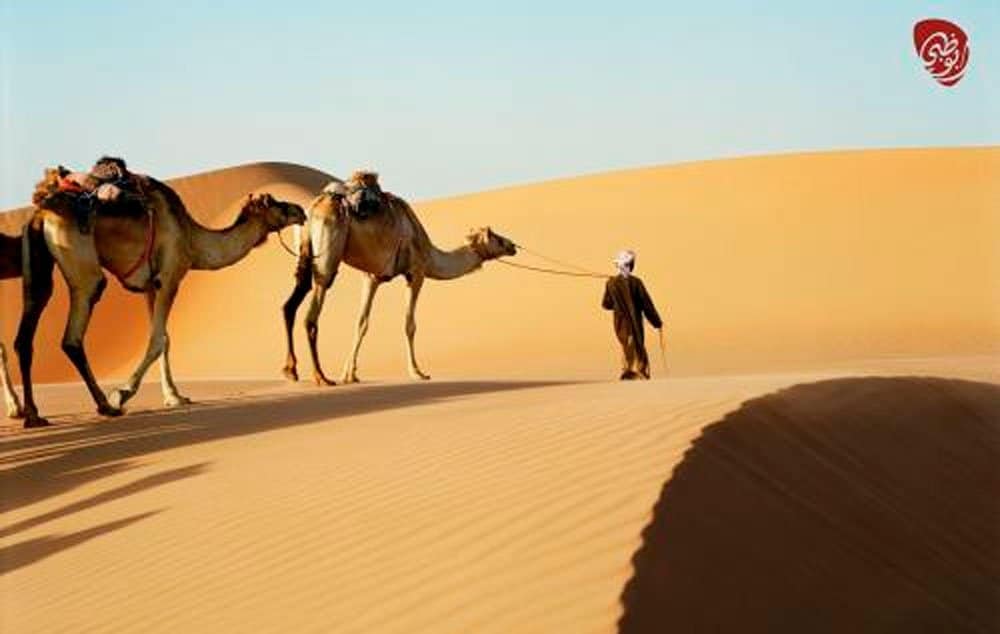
x=626, y=295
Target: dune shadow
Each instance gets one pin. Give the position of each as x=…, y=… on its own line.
x=849, y=505
x=28, y=552
x=49, y=464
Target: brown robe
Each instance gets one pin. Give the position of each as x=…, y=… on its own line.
x=627, y=297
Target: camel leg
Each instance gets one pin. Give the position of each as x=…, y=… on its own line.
x=331, y=237
x=86, y=283
x=312, y=329
x=79, y=264
x=291, y=306
x=37, y=265
x=368, y=289
x=164, y=300
x=14, y=409
x=414, y=287
x=171, y=395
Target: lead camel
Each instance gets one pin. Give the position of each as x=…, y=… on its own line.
x=378, y=234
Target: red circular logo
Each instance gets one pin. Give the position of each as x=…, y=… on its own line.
x=944, y=49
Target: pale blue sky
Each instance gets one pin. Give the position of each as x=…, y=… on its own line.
x=447, y=97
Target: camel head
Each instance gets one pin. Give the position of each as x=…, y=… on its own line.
x=489, y=245
x=276, y=214
x=363, y=192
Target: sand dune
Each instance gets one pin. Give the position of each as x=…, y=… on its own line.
x=860, y=504
x=797, y=261
x=820, y=458
x=786, y=503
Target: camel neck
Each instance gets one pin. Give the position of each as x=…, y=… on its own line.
x=447, y=265
x=218, y=248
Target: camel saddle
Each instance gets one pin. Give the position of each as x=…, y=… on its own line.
x=107, y=189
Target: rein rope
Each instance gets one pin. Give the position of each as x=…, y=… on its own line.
x=305, y=225
x=147, y=251
x=558, y=262
x=281, y=239
x=292, y=253
x=539, y=269
x=579, y=272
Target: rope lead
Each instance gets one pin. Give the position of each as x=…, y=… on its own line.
x=579, y=272
x=552, y=271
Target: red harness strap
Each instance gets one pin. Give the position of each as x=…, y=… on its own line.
x=69, y=185
x=147, y=252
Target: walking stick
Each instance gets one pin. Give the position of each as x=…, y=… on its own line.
x=663, y=350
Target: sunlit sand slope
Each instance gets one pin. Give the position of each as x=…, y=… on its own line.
x=797, y=502
x=767, y=262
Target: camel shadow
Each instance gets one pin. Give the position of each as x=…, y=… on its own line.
x=850, y=505
x=48, y=464
x=142, y=484
x=34, y=550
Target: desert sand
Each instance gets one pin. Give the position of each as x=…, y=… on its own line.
x=820, y=456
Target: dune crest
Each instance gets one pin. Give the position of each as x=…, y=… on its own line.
x=788, y=261
x=498, y=504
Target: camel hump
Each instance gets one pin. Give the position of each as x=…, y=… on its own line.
x=109, y=189
x=110, y=169
x=366, y=177
x=336, y=188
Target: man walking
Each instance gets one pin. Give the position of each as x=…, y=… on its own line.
x=626, y=295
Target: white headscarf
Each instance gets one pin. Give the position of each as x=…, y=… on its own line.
x=624, y=262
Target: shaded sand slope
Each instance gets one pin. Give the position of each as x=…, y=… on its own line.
x=862, y=504
x=786, y=503
x=766, y=262
x=119, y=329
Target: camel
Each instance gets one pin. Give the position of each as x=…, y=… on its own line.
x=10, y=267
x=378, y=234
x=149, y=253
